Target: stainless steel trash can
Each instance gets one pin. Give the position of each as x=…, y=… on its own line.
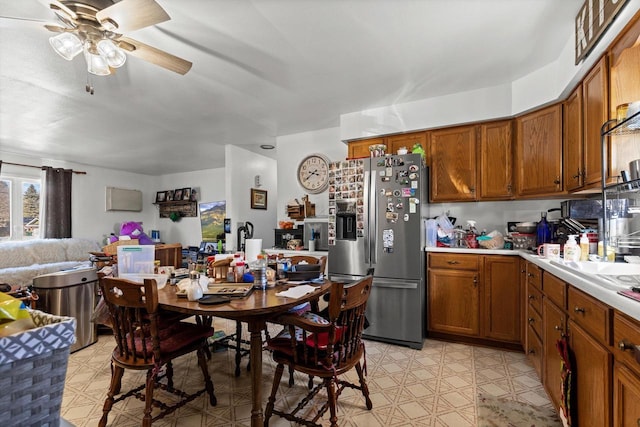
x=71, y=293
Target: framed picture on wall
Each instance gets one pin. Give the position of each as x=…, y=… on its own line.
x=258, y=199
x=177, y=194
x=186, y=193
x=169, y=197
x=161, y=196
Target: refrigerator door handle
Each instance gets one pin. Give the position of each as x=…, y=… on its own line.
x=372, y=229
x=367, y=245
x=396, y=284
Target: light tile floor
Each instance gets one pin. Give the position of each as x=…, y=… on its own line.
x=436, y=386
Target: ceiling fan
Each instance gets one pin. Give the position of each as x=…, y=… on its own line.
x=97, y=27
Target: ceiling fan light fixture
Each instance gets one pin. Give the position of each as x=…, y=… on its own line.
x=96, y=64
x=67, y=45
x=114, y=56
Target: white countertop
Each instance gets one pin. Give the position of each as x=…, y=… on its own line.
x=589, y=286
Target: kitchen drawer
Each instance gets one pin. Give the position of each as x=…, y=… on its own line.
x=534, y=298
x=534, y=320
x=555, y=289
x=454, y=261
x=534, y=351
x=591, y=314
x=626, y=341
x=534, y=275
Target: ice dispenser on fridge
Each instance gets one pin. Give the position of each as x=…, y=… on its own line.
x=346, y=220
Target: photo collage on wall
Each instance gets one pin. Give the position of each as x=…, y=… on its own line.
x=346, y=183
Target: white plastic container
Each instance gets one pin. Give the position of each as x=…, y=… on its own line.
x=584, y=247
x=571, y=249
x=136, y=259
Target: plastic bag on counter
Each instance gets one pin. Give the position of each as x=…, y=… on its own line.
x=493, y=240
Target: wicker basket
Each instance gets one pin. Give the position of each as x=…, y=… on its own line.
x=33, y=366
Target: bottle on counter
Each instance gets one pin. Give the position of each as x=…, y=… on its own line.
x=571, y=249
x=194, y=292
x=584, y=247
x=543, y=230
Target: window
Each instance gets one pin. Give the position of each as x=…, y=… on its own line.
x=19, y=208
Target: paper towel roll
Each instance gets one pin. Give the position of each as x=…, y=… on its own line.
x=252, y=248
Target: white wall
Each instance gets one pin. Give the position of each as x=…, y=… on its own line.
x=89, y=216
x=548, y=84
x=241, y=168
x=291, y=150
x=211, y=188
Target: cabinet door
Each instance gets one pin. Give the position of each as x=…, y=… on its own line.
x=359, y=149
x=592, y=378
x=407, y=141
x=496, y=161
x=596, y=95
x=554, y=324
x=454, y=302
x=539, y=152
x=501, y=308
x=572, y=141
x=626, y=397
x=522, y=266
x=453, y=164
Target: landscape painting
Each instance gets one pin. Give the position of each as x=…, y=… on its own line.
x=212, y=216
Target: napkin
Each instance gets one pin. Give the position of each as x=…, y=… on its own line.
x=297, y=292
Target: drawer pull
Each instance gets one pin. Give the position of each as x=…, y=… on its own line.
x=453, y=262
x=579, y=310
x=624, y=346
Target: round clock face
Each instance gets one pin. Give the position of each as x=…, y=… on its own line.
x=313, y=173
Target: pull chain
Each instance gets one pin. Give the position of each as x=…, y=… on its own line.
x=89, y=86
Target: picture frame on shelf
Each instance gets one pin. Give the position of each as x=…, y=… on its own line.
x=258, y=199
x=169, y=197
x=177, y=194
x=186, y=193
x=161, y=196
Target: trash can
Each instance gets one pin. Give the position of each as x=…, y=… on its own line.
x=71, y=293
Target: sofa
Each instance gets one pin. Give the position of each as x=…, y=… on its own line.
x=21, y=261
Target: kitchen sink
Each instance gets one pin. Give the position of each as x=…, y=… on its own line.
x=615, y=276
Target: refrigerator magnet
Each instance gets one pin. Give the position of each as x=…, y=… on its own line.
x=406, y=217
x=412, y=208
x=414, y=184
x=413, y=168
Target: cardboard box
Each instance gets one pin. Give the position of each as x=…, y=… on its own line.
x=112, y=248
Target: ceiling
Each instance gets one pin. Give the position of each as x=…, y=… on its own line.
x=261, y=69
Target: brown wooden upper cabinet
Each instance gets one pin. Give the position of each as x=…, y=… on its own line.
x=584, y=113
x=359, y=149
x=539, y=152
x=406, y=140
x=453, y=164
x=495, y=155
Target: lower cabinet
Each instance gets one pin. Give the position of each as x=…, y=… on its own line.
x=626, y=397
x=592, y=380
x=555, y=322
x=474, y=295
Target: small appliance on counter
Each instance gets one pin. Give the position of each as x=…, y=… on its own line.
x=284, y=235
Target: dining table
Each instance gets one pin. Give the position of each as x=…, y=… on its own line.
x=255, y=309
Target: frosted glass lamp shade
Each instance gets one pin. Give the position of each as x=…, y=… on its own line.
x=114, y=56
x=96, y=64
x=66, y=45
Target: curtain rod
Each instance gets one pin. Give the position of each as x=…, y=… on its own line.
x=37, y=167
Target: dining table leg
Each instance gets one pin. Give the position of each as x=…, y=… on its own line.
x=255, y=328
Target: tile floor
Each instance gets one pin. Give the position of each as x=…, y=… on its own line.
x=436, y=386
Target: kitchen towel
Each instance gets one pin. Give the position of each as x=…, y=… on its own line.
x=252, y=248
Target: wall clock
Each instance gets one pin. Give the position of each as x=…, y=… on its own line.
x=313, y=173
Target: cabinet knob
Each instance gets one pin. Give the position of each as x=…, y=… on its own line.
x=472, y=189
x=624, y=346
x=558, y=328
x=531, y=351
x=532, y=297
x=579, y=310
x=557, y=180
x=531, y=319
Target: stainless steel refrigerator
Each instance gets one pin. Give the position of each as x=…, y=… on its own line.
x=375, y=222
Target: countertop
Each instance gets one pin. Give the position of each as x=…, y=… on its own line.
x=590, y=286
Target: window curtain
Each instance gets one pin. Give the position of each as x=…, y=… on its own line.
x=56, y=209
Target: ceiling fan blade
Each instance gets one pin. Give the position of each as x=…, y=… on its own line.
x=131, y=15
x=16, y=22
x=54, y=4
x=155, y=56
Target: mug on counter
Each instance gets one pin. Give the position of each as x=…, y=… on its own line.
x=549, y=251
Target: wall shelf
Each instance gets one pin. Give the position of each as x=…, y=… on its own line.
x=185, y=208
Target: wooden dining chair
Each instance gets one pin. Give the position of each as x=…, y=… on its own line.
x=146, y=341
x=240, y=346
x=325, y=349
